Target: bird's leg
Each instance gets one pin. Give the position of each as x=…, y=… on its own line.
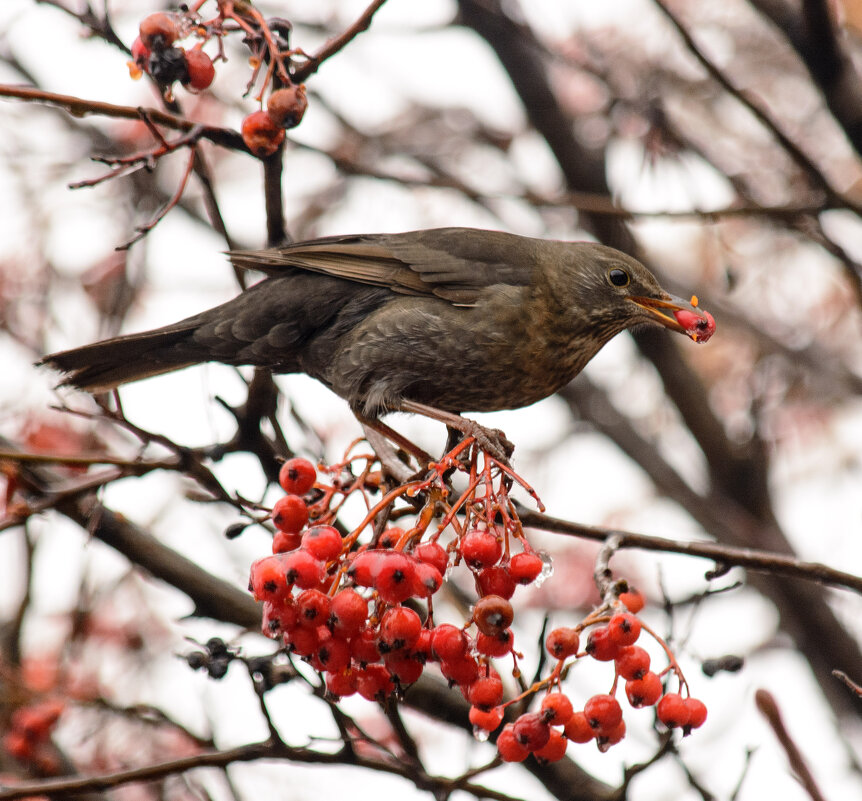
x=423, y=457
x=490, y=440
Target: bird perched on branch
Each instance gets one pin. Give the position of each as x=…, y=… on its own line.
x=436, y=322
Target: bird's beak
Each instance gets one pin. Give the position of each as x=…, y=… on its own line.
x=679, y=315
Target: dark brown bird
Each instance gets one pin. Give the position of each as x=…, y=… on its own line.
x=438, y=322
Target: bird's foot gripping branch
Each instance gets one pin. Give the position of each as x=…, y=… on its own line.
x=358, y=607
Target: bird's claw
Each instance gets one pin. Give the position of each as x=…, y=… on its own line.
x=491, y=440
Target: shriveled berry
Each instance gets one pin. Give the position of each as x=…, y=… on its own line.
x=488, y=720
x=168, y=65
x=495, y=580
x=492, y=614
x=644, y=691
x=508, y=746
x=603, y=713
x=480, y=548
x=290, y=513
x=578, y=729
x=673, y=711
x=525, y=567
x=260, y=134
x=433, y=554
x=532, y=731
x=200, y=69
x=553, y=750
x=287, y=106
x=624, y=629
x=557, y=709
x=600, y=646
x=322, y=541
x=297, y=476
x=632, y=663
x=562, y=642
x=158, y=31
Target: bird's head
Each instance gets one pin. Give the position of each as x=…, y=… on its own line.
x=612, y=292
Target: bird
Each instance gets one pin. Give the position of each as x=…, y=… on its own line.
x=438, y=322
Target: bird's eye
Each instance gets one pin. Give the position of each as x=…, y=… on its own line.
x=618, y=277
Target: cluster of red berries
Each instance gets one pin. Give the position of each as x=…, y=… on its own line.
x=362, y=613
x=155, y=52
x=350, y=610
x=28, y=737
x=601, y=719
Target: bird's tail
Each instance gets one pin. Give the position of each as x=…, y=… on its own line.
x=105, y=365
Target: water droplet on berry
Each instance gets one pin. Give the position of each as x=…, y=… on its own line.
x=547, y=568
x=481, y=734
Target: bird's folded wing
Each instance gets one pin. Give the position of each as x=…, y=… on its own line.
x=455, y=264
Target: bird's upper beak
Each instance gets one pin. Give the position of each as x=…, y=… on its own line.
x=679, y=315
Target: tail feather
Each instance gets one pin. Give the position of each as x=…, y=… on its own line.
x=103, y=366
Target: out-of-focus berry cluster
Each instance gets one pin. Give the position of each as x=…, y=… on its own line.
x=358, y=606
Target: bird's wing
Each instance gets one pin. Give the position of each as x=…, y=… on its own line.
x=455, y=264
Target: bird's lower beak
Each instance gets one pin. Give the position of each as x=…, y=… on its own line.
x=679, y=315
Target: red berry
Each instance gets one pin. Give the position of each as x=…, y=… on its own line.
x=267, y=579
x=290, y=513
x=633, y=599
x=421, y=649
x=405, y=669
x=532, y=731
x=302, y=569
x=395, y=579
x=448, y=642
x=673, y=711
x=495, y=580
x=562, y=642
x=285, y=541
x=553, y=750
x=373, y=682
x=603, y=713
x=486, y=692
x=480, y=548
x=624, y=629
x=492, y=614
x=399, y=629
x=632, y=663
x=498, y=644
x=432, y=554
x=314, y=608
x=644, y=691
x=287, y=106
x=578, y=729
x=488, y=720
x=365, y=566
x=426, y=580
x=297, y=476
x=606, y=739
x=260, y=134
x=340, y=684
x=158, y=31
x=200, y=69
x=348, y=611
x=696, y=713
x=557, y=709
x=302, y=640
x=462, y=671
x=390, y=538
x=600, y=646
x=324, y=542
x=525, y=567
x=19, y=745
x=508, y=746
x=333, y=653
x=363, y=646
